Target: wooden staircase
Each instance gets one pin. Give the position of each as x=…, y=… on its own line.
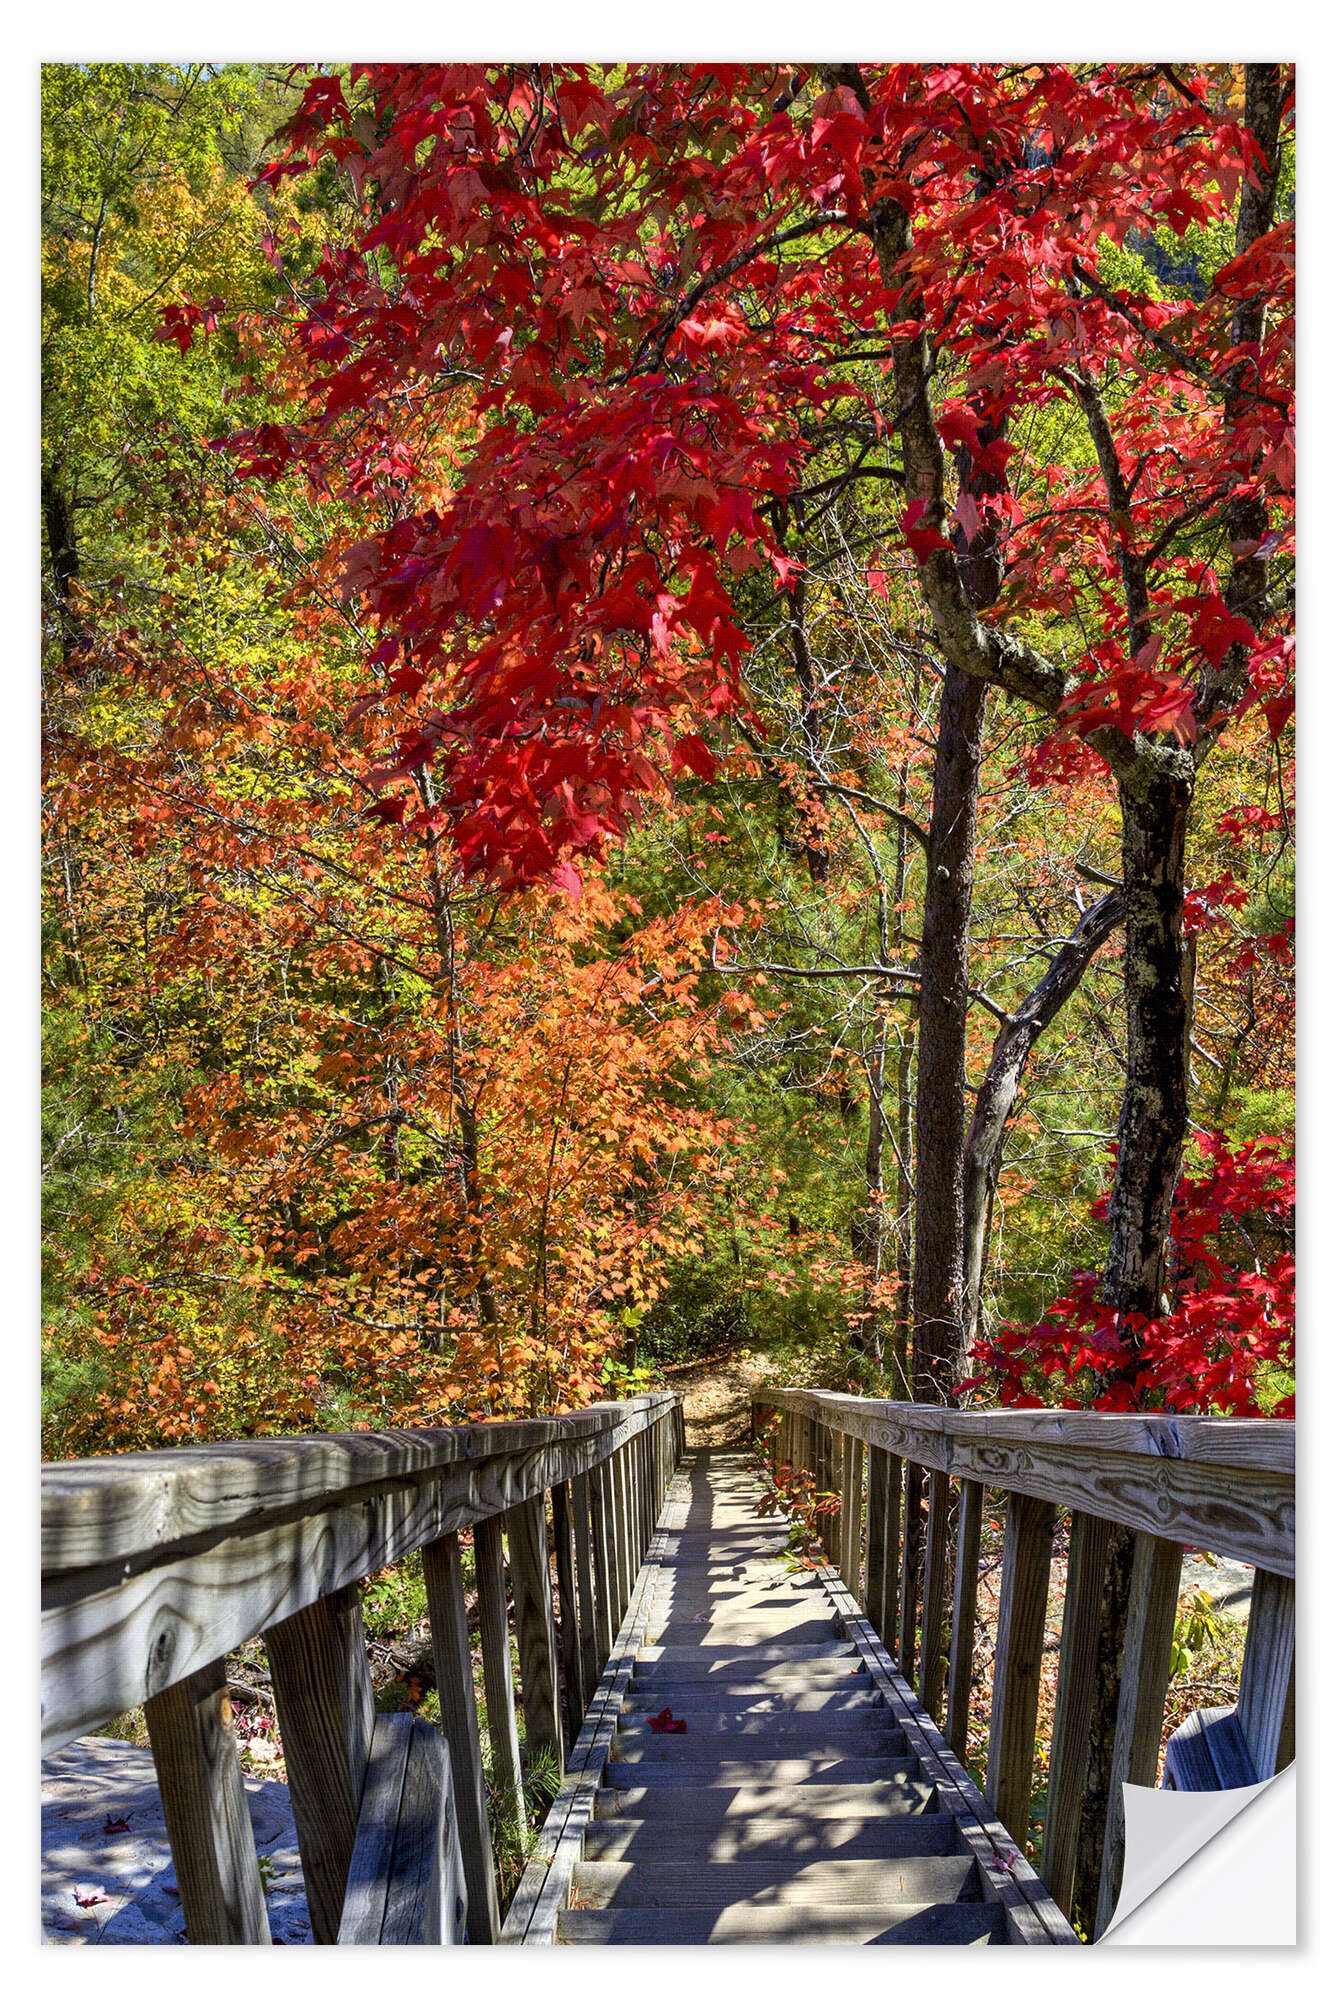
x=807, y=1800
x=812, y=1796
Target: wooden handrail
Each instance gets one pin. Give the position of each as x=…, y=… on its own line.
x=157, y=1565
x=1222, y=1485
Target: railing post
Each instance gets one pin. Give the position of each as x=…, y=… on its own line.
x=620, y=1486
x=580, y=1507
x=932, y=1594
x=326, y=1713
x=203, y=1802
x=852, y=1470
x=603, y=1539
x=1089, y=1545
x=446, y=1607
x=877, y=1502
x=1149, y=1628
x=911, y=1568
x=962, y=1639
x=497, y=1672
x=576, y=1700
x=1028, y=1531
x=530, y=1576
x=1267, y=1669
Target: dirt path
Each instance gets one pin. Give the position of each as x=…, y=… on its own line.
x=717, y=1395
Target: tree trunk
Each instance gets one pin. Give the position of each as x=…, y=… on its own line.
x=1155, y=803
x=63, y=549
x=999, y=1090
x=941, y=1084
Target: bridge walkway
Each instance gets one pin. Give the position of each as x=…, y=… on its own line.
x=756, y=1772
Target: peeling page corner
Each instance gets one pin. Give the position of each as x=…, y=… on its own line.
x=1209, y=1868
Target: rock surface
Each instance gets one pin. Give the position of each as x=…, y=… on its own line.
x=108, y=1882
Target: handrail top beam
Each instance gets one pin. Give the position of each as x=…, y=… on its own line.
x=1260, y=1444
x=127, y=1505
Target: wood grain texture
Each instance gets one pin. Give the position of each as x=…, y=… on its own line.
x=581, y=1510
x=603, y=1565
x=962, y=1640
x=571, y=1653
x=496, y=1669
x=1150, y=1623
x=930, y=1681
x=909, y=1573
x=853, y=1474
x=109, y=1644
x=1208, y=1753
x=138, y=1505
x=445, y=1604
x=405, y=1883
x=893, y=1521
x=1024, y=1586
x=203, y=1802
x=530, y=1577
x=326, y=1712
x=877, y=1501
x=1089, y=1543
x=1226, y=1485
x=1267, y=1671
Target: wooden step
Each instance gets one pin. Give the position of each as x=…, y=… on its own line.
x=775, y=1880
x=868, y=1726
x=643, y=1794
x=752, y=1632
x=790, y=1834
x=796, y=1770
x=770, y=1654
x=777, y=1739
x=837, y=1671
x=799, y=1923
x=734, y=1704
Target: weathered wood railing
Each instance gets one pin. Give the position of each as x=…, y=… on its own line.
x=906, y=1540
x=157, y=1565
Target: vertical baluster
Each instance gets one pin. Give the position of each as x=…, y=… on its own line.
x=581, y=1508
x=326, y=1712
x=828, y=1484
x=911, y=1569
x=643, y=1504
x=1266, y=1673
x=1028, y=1531
x=1089, y=1545
x=604, y=1601
x=853, y=1468
x=1149, y=1629
x=962, y=1640
x=620, y=1494
x=530, y=1576
x=877, y=1529
x=571, y=1660
x=203, y=1801
x=888, y=1631
x=497, y=1670
x=446, y=1607
x=932, y=1594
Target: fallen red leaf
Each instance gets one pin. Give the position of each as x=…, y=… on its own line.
x=116, y=1825
x=86, y=1902
x=667, y=1724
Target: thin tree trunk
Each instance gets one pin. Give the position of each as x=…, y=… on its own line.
x=63, y=549
x=998, y=1094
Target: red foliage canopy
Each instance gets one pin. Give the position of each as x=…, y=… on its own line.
x=647, y=287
